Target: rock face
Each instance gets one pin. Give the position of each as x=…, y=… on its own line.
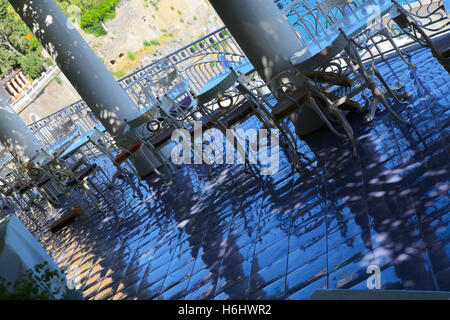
x=138, y=21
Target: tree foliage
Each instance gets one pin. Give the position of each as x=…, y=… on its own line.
x=18, y=46
x=8, y=60
x=93, y=13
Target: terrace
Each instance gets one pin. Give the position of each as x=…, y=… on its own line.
x=222, y=232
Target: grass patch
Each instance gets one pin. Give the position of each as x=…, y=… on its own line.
x=151, y=43
x=90, y=20
x=128, y=64
x=118, y=74
x=57, y=80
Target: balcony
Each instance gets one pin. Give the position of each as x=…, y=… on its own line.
x=228, y=233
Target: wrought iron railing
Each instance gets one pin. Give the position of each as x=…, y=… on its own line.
x=206, y=57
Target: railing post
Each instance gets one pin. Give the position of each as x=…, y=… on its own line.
x=98, y=88
x=268, y=41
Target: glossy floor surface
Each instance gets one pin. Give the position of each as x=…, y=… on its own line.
x=237, y=235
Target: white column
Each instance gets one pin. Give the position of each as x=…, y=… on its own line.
x=16, y=136
x=268, y=41
x=98, y=88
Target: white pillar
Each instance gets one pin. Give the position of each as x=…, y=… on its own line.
x=19, y=140
x=79, y=63
x=268, y=41
x=16, y=136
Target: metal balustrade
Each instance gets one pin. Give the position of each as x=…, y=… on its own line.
x=430, y=14
x=212, y=54
x=50, y=129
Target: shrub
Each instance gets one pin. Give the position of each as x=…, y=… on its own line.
x=151, y=43
x=38, y=284
x=90, y=20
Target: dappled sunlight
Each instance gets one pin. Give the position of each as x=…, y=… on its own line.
x=225, y=231
x=79, y=63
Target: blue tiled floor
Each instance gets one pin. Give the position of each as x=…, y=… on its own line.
x=238, y=235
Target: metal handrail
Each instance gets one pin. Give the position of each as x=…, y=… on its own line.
x=200, y=61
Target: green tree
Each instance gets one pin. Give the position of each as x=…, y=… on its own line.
x=32, y=64
x=8, y=60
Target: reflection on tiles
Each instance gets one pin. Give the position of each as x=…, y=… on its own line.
x=240, y=235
